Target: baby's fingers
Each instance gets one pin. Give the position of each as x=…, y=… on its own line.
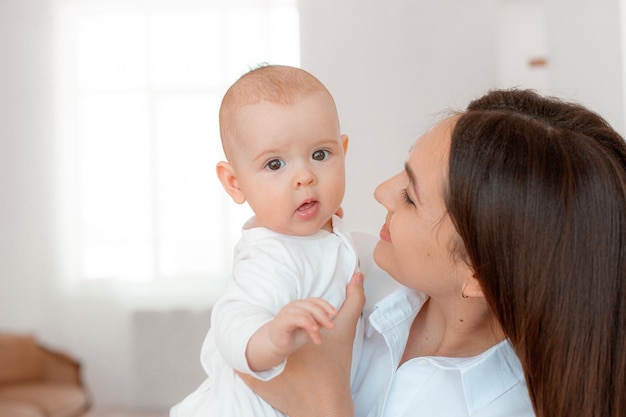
x=309, y=315
x=322, y=311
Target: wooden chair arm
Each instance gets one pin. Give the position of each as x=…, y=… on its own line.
x=60, y=367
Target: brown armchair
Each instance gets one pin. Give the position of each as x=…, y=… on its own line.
x=38, y=382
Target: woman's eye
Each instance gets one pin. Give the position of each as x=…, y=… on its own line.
x=275, y=164
x=320, y=155
x=406, y=198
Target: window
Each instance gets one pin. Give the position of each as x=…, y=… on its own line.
x=139, y=87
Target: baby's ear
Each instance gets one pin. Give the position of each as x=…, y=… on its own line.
x=228, y=178
x=344, y=142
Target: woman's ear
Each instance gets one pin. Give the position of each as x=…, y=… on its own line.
x=344, y=142
x=228, y=178
x=471, y=287
x=468, y=281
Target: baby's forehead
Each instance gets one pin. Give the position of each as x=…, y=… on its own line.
x=241, y=106
x=310, y=112
x=282, y=86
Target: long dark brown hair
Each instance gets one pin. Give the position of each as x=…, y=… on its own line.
x=537, y=191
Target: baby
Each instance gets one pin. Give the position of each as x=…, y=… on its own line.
x=286, y=158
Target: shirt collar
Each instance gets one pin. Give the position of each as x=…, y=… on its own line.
x=505, y=367
x=394, y=310
x=392, y=317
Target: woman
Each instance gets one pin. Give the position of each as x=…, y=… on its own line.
x=507, y=229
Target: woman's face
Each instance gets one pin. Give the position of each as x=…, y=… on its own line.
x=416, y=241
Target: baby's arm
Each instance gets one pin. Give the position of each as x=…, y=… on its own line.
x=294, y=325
x=316, y=379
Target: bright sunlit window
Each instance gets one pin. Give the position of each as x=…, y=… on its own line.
x=139, y=87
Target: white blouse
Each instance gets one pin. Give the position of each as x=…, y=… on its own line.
x=488, y=385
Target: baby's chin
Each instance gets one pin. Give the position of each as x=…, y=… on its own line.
x=306, y=228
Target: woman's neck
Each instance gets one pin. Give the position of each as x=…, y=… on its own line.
x=456, y=329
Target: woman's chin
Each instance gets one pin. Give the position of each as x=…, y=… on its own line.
x=379, y=254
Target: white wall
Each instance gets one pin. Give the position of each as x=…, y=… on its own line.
x=392, y=66
x=26, y=241
x=586, y=59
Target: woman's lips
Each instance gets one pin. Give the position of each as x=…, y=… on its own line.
x=384, y=233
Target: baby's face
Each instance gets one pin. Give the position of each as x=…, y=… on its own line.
x=290, y=163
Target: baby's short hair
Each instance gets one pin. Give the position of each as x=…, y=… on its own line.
x=277, y=84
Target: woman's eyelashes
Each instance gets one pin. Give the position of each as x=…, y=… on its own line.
x=406, y=198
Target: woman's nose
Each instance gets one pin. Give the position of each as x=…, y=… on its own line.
x=384, y=192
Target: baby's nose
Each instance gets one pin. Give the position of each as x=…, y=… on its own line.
x=305, y=177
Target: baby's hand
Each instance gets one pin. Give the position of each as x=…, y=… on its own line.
x=294, y=325
x=300, y=321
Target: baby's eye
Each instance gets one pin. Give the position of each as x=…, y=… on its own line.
x=275, y=164
x=320, y=155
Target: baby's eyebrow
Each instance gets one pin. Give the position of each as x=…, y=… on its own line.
x=266, y=153
x=412, y=180
x=328, y=141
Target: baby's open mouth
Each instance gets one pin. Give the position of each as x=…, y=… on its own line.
x=307, y=206
x=308, y=210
